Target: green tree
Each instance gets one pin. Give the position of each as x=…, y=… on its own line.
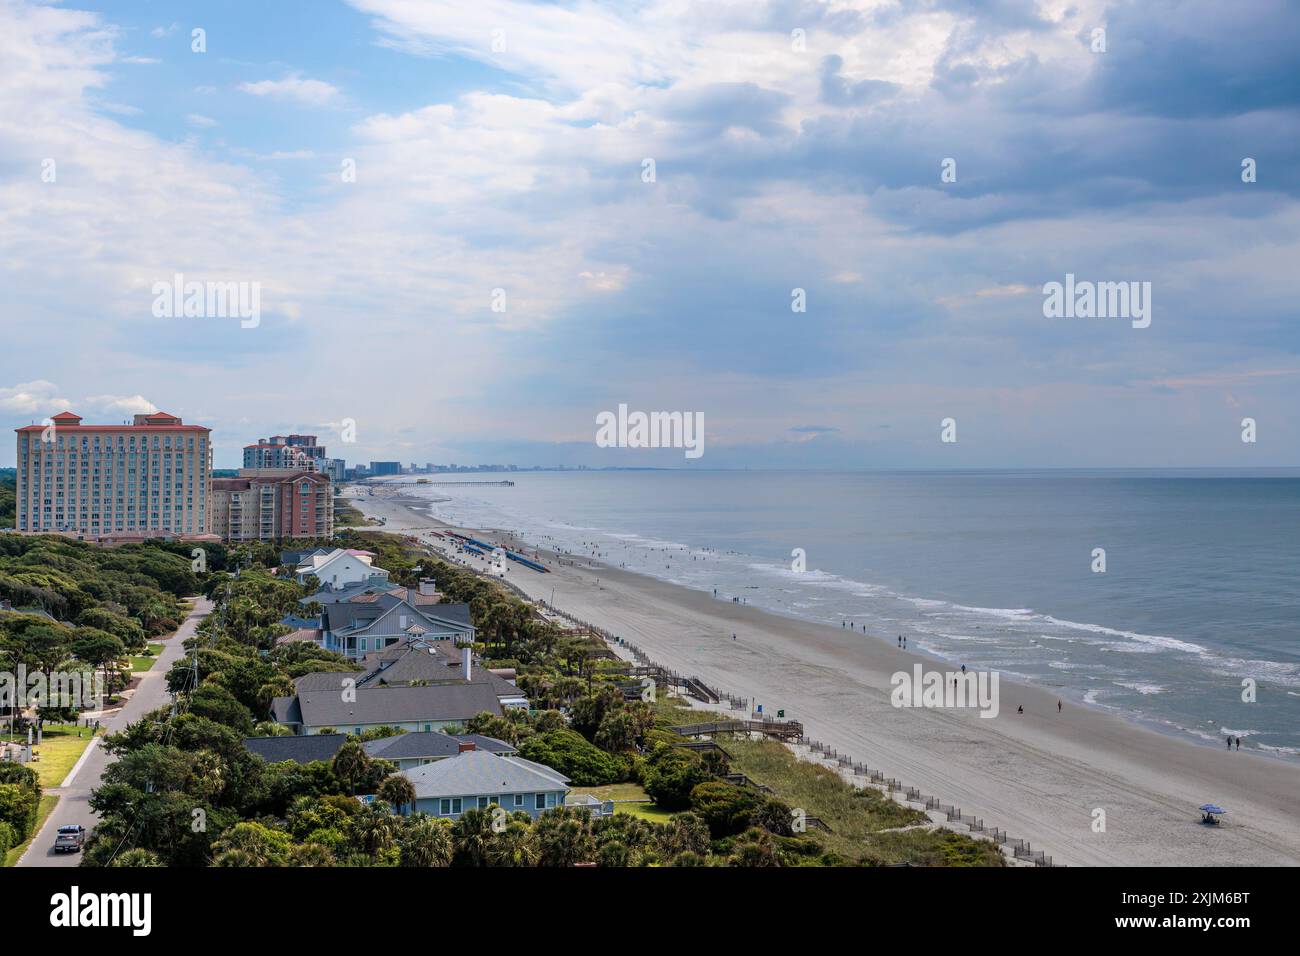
x=398, y=792
x=426, y=841
x=671, y=774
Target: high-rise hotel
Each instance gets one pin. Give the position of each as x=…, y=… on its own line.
x=148, y=479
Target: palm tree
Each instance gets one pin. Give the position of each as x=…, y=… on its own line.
x=310, y=854
x=398, y=791
x=350, y=764
x=514, y=846
x=375, y=828
x=426, y=841
x=473, y=837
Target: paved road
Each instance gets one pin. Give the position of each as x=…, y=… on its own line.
x=74, y=797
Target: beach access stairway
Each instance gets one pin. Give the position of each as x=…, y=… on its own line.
x=790, y=730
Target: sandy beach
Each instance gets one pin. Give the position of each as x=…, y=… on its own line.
x=1040, y=775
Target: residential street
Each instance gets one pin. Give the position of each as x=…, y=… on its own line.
x=73, y=806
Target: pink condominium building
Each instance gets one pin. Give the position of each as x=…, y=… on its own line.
x=148, y=479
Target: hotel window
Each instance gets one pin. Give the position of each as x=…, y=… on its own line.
x=444, y=807
x=519, y=799
x=482, y=803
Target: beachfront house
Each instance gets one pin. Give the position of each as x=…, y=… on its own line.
x=419, y=661
x=404, y=750
x=339, y=567
x=333, y=703
x=374, y=620
x=479, y=779
x=409, y=751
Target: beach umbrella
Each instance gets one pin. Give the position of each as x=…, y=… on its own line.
x=1212, y=808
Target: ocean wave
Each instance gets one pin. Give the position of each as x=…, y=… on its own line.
x=1155, y=640
x=1140, y=687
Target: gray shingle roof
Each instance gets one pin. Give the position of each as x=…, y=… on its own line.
x=350, y=616
x=326, y=680
x=420, y=665
x=396, y=705
x=285, y=710
x=431, y=745
x=479, y=773
x=299, y=748
x=343, y=594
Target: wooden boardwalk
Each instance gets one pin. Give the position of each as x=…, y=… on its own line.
x=781, y=729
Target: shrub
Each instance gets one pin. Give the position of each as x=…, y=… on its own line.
x=19, y=807
x=671, y=774
x=8, y=839
x=727, y=809
x=574, y=756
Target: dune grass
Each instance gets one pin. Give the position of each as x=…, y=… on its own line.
x=865, y=825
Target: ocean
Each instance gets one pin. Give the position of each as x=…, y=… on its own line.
x=991, y=569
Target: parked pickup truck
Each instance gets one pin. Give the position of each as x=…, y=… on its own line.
x=70, y=839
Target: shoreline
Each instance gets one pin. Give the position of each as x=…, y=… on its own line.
x=1041, y=775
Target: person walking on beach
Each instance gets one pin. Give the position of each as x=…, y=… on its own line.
x=900, y=640
x=1058, y=706
x=1229, y=743
x=1238, y=743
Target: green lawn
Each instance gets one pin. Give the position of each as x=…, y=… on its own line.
x=48, y=802
x=628, y=798
x=60, y=749
x=614, y=791
x=145, y=661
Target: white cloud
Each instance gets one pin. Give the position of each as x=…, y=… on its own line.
x=32, y=398
x=199, y=120
x=536, y=190
x=122, y=404
x=295, y=88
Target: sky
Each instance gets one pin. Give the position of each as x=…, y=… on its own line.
x=475, y=225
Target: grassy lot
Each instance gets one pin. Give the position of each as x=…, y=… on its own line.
x=621, y=793
x=859, y=819
x=346, y=516
x=60, y=749
x=614, y=791
x=145, y=661
x=47, y=807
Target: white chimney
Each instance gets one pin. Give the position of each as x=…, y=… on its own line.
x=466, y=651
